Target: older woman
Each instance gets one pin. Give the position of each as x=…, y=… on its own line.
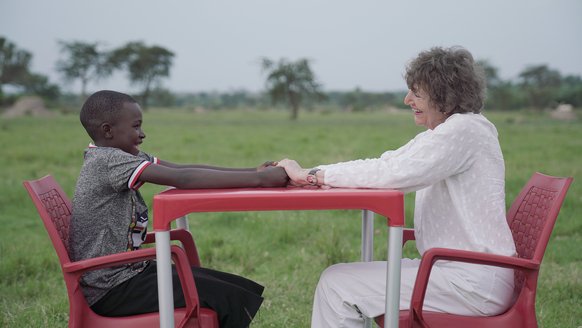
x=456, y=168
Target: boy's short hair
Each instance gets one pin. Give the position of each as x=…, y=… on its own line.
x=102, y=106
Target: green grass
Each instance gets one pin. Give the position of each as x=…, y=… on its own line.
x=285, y=251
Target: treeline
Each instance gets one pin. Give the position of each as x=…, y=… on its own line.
x=508, y=95
x=537, y=87
x=356, y=100
x=288, y=84
x=86, y=63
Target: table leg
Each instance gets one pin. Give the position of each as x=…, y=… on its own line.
x=164, y=267
x=393, y=277
x=182, y=223
x=367, y=246
x=367, y=236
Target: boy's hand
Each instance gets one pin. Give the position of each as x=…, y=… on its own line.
x=266, y=165
x=273, y=176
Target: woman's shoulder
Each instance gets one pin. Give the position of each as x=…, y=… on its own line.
x=465, y=118
x=467, y=123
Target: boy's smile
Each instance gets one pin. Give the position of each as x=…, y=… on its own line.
x=126, y=131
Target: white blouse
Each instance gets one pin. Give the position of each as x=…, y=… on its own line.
x=458, y=173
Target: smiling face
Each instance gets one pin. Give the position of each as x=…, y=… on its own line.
x=425, y=113
x=126, y=133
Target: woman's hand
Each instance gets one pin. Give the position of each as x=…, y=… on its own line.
x=296, y=173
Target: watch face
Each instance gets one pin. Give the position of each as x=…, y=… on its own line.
x=311, y=179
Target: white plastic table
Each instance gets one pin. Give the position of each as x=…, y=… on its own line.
x=173, y=204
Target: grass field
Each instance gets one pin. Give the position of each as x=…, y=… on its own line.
x=285, y=251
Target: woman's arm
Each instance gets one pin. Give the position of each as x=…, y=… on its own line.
x=428, y=158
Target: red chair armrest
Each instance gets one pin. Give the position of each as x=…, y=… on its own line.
x=185, y=237
x=435, y=254
x=188, y=286
x=407, y=234
x=182, y=264
x=150, y=238
x=109, y=260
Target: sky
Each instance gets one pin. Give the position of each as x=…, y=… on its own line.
x=351, y=44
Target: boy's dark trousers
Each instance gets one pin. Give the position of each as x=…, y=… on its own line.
x=235, y=299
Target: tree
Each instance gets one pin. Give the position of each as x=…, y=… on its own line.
x=571, y=90
x=291, y=82
x=491, y=73
x=14, y=64
x=83, y=62
x=146, y=66
x=353, y=100
x=541, y=85
x=499, y=93
x=39, y=85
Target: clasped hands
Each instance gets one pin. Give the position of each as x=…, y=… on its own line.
x=297, y=174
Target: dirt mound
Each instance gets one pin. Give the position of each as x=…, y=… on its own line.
x=29, y=105
x=563, y=112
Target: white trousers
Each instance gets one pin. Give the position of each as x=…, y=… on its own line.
x=348, y=289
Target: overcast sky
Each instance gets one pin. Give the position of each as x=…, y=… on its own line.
x=364, y=43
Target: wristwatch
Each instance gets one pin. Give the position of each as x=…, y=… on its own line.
x=311, y=177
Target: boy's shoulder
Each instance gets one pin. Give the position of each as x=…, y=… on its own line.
x=113, y=167
x=108, y=153
x=94, y=152
x=104, y=160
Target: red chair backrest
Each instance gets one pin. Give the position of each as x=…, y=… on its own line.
x=54, y=208
x=533, y=214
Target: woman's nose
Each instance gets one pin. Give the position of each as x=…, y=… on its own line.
x=407, y=98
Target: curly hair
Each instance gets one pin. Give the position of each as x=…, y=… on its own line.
x=454, y=82
x=102, y=106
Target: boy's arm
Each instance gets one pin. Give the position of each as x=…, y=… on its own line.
x=202, y=178
x=217, y=168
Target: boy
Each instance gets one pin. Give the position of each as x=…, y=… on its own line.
x=110, y=216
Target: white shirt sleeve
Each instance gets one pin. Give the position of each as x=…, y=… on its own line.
x=431, y=156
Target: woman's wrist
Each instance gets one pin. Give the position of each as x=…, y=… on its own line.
x=320, y=177
x=314, y=177
x=303, y=176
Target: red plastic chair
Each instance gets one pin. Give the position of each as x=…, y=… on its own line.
x=531, y=219
x=54, y=208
